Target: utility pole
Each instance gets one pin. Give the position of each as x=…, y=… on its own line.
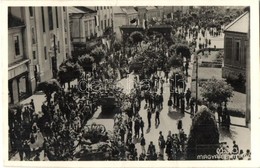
x=197, y=67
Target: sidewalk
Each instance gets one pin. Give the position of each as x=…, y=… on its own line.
x=219, y=42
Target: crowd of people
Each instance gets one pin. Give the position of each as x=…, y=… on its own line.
x=58, y=129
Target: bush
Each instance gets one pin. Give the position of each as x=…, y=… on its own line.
x=238, y=84
x=204, y=136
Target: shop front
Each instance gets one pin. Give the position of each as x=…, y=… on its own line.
x=18, y=82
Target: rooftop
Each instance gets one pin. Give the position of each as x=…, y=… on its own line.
x=80, y=10
x=241, y=24
x=124, y=10
x=14, y=21
x=150, y=8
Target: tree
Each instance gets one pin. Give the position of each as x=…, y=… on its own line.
x=204, y=136
x=98, y=54
x=86, y=62
x=175, y=61
x=49, y=87
x=216, y=91
x=69, y=71
x=136, y=37
x=184, y=50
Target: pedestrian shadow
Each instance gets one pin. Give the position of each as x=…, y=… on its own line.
x=175, y=115
x=148, y=130
x=136, y=140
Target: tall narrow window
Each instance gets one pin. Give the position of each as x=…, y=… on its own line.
x=45, y=53
x=57, y=19
x=31, y=11
x=65, y=25
x=50, y=15
x=58, y=46
x=43, y=20
x=33, y=36
x=237, y=51
x=34, y=54
x=102, y=24
x=16, y=45
x=64, y=9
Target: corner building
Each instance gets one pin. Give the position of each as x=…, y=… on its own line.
x=38, y=42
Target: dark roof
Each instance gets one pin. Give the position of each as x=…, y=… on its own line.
x=14, y=21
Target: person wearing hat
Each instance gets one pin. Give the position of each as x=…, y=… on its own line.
x=161, y=143
x=149, y=116
x=142, y=143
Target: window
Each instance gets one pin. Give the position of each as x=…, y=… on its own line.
x=33, y=36
x=65, y=25
x=65, y=40
x=31, y=11
x=45, y=53
x=34, y=54
x=105, y=23
x=228, y=48
x=104, y=7
x=102, y=24
x=17, y=45
x=237, y=51
x=100, y=7
x=50, y=18
x=57, y=20
x=64, y=9
x=97, y=7
x=245, y=53
x=108, y=22
x=58, y=46
x=43, y=20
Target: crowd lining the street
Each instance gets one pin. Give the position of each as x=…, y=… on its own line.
x=58, y=129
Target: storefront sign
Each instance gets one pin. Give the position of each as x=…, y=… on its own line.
x=17, y=70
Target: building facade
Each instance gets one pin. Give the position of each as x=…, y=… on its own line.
x=104, y=19
x=237, y=55
x=39, y=41
x=236, y=45
x=124, y=16
x=82, y=24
